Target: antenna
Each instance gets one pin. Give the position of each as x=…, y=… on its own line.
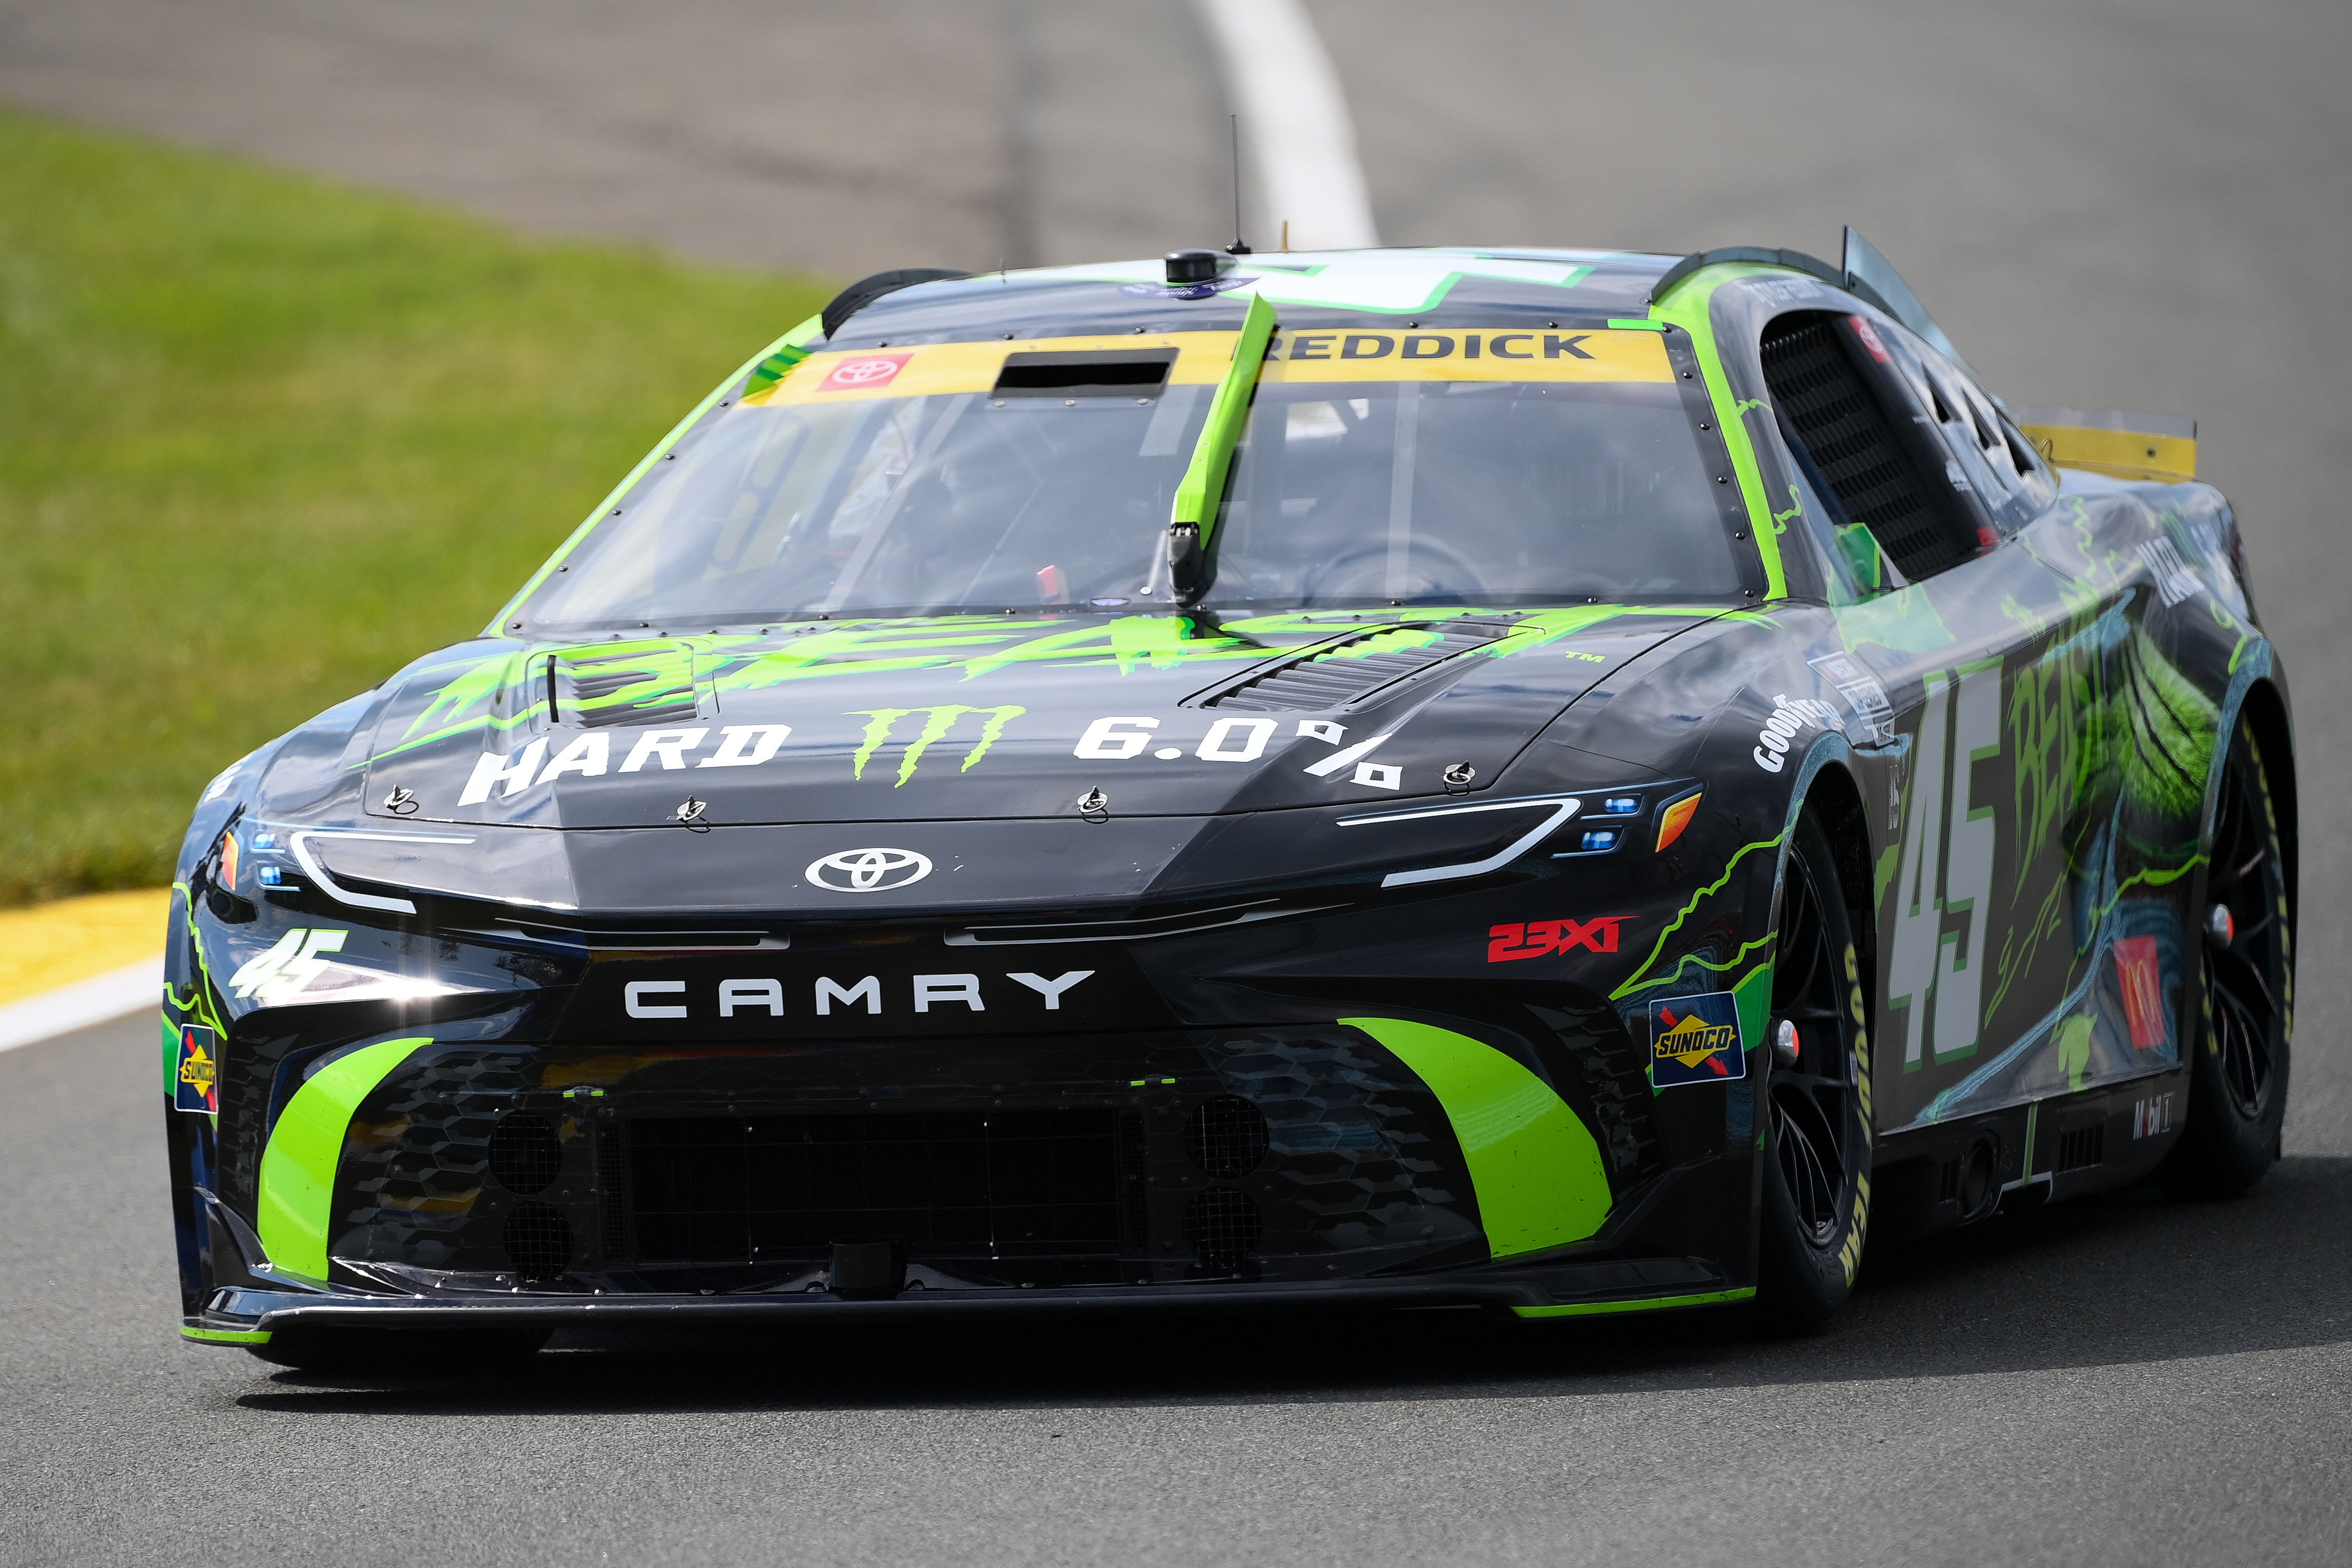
x=1239, y=246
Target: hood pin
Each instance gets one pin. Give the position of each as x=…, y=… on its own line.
x=1457, y=776
x=689, y=812
x=1094, y=806
x=401, y=802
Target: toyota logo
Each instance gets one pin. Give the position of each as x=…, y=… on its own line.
x=875, y=371
x=868, y=871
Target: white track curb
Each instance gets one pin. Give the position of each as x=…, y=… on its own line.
x=92, y=1001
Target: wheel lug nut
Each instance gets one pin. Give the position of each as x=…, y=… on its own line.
x=1784, y=1044
x=2221, y=926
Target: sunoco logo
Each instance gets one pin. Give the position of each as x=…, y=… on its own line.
x=868, y=871
x=1696, y=1040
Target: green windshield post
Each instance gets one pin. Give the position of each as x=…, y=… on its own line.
x=1194, y=518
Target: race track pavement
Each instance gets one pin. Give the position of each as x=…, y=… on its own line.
x=2121, y=206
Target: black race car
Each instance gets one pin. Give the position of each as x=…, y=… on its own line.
x=1576, y=782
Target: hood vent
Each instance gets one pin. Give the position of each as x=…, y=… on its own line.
x=1340, y=675
x=638, y=682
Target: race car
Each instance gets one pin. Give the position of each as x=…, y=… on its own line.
x=1568, y=783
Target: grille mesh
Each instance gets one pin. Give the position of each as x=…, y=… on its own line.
x=525, y=1156
x=1226, y=1137
x=1817, y=390
x=1223, y=1224
x=538, y=1242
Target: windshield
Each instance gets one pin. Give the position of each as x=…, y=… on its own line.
x=1497, y=467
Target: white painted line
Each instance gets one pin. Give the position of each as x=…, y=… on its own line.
x=92, y=1001
x=1294, y=116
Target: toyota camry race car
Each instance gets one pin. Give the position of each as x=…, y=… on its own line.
x=1571, y=782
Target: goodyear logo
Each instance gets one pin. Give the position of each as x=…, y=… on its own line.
x=1696, y=1040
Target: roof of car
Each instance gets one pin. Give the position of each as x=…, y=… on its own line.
x=1433, y=286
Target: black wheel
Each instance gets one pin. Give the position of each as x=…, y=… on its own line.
x=373, y=1351
x=2238, y=1070
x=1817, y=1098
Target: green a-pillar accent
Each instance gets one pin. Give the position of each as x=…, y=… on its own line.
x=298, y=1168
x=1535, y=1166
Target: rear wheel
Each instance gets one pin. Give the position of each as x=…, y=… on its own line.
x=376, y=1351
x=1817, y=1096
x=2238, y=1070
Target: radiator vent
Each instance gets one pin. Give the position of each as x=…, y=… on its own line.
x=1821, y=396
x=1340, y=675
x=634, y=683
x=2081, y=1148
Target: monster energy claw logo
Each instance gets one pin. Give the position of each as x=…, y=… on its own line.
x=880, y=724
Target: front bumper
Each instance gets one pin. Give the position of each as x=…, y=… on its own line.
x=252, y=1316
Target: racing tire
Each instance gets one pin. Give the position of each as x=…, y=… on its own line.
x=1816, y=1110
x=377, y=1352
x=2239, y=1067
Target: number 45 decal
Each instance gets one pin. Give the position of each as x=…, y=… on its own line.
x=1930, y=967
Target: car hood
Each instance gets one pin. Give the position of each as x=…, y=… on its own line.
x=975, y=718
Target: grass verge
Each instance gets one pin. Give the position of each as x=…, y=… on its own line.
x=264, y=439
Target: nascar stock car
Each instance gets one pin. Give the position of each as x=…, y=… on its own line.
x=1565, y=782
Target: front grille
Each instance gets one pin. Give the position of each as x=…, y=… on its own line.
x=993, y=1183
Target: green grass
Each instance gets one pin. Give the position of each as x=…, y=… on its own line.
x=264, y=439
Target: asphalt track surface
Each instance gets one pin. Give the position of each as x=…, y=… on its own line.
x=2107, y=204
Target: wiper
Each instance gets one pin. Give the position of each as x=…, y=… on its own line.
x=1194, y=518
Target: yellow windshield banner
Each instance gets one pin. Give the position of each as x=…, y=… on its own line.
x=1476, y=354
x=931, y=369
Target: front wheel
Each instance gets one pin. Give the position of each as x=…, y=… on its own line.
x=1816, y=1092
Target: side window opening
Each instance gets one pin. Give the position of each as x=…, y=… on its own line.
x=1843, y=401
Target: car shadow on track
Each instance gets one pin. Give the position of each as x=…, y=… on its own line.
x=2123, y=1278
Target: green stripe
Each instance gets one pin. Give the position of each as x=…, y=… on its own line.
x=298, y=1168
x=1535, y=1166
x=1689, y=312
x=1591, y=1309
x=1203, y=485
x=225, y=1336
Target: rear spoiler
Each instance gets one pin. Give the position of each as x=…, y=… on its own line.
x=2119, y=444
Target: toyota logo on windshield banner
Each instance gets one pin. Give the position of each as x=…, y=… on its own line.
x=868, y=871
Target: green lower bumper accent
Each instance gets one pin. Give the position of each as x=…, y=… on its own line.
x=1535, y=1166
x=225, y=1336
x=1591, y=1309
x=297, y=1165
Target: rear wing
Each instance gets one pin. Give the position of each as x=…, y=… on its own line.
x=2119, y=444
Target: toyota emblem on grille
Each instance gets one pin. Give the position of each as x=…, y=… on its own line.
x=868, y=871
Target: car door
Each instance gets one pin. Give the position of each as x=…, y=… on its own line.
x=1977, y=636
